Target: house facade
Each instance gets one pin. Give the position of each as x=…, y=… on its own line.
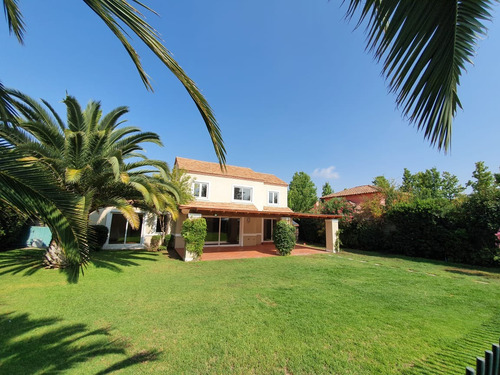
x=241, y=206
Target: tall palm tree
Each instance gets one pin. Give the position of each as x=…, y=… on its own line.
x=424, y=45
x=91, y=156
x=31, y=189
x=116, y=14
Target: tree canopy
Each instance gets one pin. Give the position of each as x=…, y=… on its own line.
x=301, y=193
x=326, y=189
x=431, y=184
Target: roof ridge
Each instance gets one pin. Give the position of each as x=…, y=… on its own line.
x=211, y=168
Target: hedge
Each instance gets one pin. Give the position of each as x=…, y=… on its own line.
x=432, y=228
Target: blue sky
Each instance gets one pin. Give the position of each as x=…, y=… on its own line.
x=289, y=81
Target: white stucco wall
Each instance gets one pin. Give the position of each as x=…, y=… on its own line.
x=220, y=189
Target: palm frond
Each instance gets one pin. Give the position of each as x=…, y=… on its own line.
x=110, y=121
x=7, y=111
x=76, y=121
x=110, y=11
x=31, y=190
x=131, y=143
x=14, y=19
x=425, y=46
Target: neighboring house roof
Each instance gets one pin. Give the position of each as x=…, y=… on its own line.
x=214, y=169
x=358, y=190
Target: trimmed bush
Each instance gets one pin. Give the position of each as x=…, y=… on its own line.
x=284, y=237
x=194, y=232
x=98, y=234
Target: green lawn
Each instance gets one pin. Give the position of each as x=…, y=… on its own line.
x=347, y=313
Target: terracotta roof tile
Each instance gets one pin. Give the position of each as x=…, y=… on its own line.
x=208, y=168
x=364, y=189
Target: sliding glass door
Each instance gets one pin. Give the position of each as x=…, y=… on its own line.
x=121, y=232
x=222, y=231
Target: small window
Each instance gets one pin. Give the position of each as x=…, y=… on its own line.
x=273, y=197
x=242, y=194
x=200, y=189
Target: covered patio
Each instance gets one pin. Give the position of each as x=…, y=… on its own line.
x=257, y=251
x=236, y=231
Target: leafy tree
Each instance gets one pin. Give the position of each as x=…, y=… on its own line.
x=407, y=184
x=326, y=190
x=120, y=16
x=391, y=194
x=424, y=46
x=302, y=193
x=92, y=157
x=484, y=180
x=431, y=184
x=336, y=206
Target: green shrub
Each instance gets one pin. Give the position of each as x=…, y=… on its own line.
x=312, y=231
x=155, y=243
x=98, y=234
x=194, y=232
x=12, y=224
x=457, y=231
x=162, y=248
x=284, y=237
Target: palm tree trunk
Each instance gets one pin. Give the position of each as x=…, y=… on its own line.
x=55, y=257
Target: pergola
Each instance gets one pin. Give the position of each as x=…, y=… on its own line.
x=232, y=210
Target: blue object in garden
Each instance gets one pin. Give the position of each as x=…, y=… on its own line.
x=38, y=237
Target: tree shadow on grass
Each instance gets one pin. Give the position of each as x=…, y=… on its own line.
x=29, y=346
x=115, y=260
x=27, y=261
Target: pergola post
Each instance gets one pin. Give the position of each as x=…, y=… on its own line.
x=331, y=232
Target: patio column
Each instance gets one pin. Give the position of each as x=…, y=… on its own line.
x=331, y=232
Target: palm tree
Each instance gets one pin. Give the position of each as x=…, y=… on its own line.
x=31, y=189
x=115, y=14
x=424, y=46
x=91, y=157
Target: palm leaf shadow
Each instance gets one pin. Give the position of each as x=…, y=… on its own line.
x=48, y=345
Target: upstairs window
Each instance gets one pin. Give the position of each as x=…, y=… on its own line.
x=200, y=190
x=242, y=193
x=273, y=197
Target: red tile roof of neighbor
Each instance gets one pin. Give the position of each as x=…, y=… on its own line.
x=208, y=168
x=364, y=189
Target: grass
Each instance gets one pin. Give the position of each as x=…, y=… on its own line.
x=347, y=313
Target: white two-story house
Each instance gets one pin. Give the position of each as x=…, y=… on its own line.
x=240, y=206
